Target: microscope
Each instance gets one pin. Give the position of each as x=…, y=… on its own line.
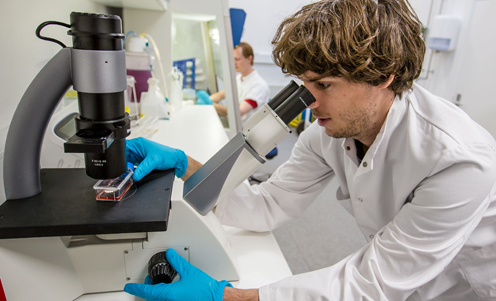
x=53, y=232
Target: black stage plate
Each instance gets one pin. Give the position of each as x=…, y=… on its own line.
x=67, y=206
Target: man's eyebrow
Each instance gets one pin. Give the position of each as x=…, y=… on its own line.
x=312, y=79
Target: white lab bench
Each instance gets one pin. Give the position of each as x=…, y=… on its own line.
x=198, y=131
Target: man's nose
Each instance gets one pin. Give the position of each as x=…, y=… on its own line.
x=314, y=104
x=310, y=89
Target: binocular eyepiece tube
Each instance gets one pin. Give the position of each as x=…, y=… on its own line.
x=291, y=101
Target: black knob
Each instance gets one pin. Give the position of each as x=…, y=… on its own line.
x=160, y=270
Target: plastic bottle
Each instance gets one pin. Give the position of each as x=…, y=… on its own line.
x=153, y=103
x=176, y=94
x=138, y=64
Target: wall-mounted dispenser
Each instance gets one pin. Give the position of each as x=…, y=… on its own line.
x=444, y=33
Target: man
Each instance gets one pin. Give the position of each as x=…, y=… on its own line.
x=414, y=170
x=253, y=90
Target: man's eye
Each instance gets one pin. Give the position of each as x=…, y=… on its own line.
x=323, y=85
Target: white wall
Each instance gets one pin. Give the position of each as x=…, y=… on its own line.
x=465, y=76
x=22, y=54
x=442, y=69
x=262, y=19
x=477, y=68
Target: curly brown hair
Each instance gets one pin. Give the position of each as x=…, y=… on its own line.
x=363, y=41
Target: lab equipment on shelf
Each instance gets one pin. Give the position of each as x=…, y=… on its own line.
x=188, y=68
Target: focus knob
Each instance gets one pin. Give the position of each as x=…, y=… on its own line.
x=160, y=270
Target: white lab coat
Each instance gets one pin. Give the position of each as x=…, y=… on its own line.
x=253, y=87
x=423, y=196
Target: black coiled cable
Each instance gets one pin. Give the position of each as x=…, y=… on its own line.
x=42, y=25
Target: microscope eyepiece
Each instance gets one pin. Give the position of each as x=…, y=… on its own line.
x=291, y=101
x=295, y=104
x=283, y=95
x=96, y=31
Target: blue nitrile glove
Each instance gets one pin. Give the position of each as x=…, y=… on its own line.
x=149, y=155
x=193, y=285
x=203, y=98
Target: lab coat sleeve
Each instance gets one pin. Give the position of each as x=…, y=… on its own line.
x=285, y=196
x=259, y=92
x=416, y=245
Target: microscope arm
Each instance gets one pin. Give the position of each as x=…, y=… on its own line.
x=235, y=162
x=21, y=171
x=246, y=152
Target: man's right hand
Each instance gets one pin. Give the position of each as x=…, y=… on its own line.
x=203, y=98
x=149, y=155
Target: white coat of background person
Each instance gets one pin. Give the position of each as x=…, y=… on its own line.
x=417, y=174
x=253, y=90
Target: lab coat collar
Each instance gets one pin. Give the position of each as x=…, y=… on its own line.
x=249, y=76
x=394, y=116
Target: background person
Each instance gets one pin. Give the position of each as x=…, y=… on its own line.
x=253, y=90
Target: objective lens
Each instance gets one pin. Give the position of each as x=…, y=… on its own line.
x=108, y=165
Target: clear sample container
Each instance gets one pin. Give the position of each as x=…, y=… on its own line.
x=114, y=189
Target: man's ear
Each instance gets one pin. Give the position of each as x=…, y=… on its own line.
x=386, y=84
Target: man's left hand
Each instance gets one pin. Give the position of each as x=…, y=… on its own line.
x=193, y=285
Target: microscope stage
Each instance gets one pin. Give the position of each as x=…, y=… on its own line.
x=67, y=206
